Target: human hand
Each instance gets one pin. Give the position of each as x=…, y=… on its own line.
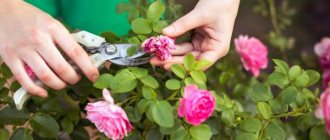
x=29, y=36
x=212, y=21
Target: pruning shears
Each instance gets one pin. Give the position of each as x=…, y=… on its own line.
x=100, y=51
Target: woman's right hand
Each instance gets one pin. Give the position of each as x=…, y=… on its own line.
x=30, y=36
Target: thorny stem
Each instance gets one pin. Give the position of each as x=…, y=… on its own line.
x=128, y=99
x=263, y=129
x=273, y=16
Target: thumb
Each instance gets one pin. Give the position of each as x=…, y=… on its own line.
x=182, y=25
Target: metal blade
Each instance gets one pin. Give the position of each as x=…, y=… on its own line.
x=131, y=61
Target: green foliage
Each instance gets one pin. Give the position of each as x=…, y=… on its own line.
x=278, y=105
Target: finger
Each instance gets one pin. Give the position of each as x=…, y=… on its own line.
x=182, y=49
x=219, y=50
x=56, y=61
x=18, y=70
x=43, y=72
x=190, y=21
x=156, y=61
x=75, y=52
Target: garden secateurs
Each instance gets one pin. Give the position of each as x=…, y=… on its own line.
x=100, y=51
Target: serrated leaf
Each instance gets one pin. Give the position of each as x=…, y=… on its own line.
x=265, y=110
x=21, y=134
x=250, y=125
x=314, y=77
x=103, y=81
x=150, y=81
x=275, y=132
x=261, y=92
x=173, y=84
x=198, y=76
x=67, y=125
x=159, y=26
x=201, y=132
x=294, y=72
x=202, y=64
x=189, y=62
x=148, y=93
x=278, y=78
x=283, y=66
x=45, y=125
x=155, y=10
x=179, y=71
x=162, y=114
x=141, y=26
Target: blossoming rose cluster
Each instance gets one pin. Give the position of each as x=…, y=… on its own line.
x=253, y=54
x=322, y=50
x=196, y=105
x=108, y=117
x=160, y=46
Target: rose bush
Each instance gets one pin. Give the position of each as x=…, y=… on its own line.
x=225, y=102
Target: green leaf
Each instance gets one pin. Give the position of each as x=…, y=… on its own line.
x=21, y=134
x=142, y=38
x=132, y=50
x=319, y=133
x=201, y=132
x=133, y=13
x=148, y=92
x=283, y=66
x=153, y=133
x=302, y=80
x=67, y=125
x=4, y=92
x=306, y=121
x=289, y=95
x=314, y=77
x=170, y=130
x=150, y=81
x=218, y=101
x=159, y=26
x=6, y=73
x=2, y=83
x=246, y=136
x=189, y=62
x=162, y=113
x=275, y=132
x=173, y=84
x=134, y=40
x=279, y=79
x=189, y=81
x=251, y=125
x=141, y=26
x=228, y=117
x=124, y=81
x=179, y=71
x=79, y=133
x=265, y=110
x=294, y=72
x=278, y=107
x=12, y=116
x=4, y=134
x=180, y=134
x=133, y=114
x=202, y=64
x=155, y=10
x=103, y=81
x=110, y=37
x=45, y=125
x=138, y=72
x=261, y=92
x=198, y=76
x=143, y=105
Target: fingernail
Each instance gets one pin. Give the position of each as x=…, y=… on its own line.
x=43, y=94
x=169, y=29
x=94, y=78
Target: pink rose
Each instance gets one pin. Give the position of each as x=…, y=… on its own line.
x=196, y=105
x=322, y=51
x=109, y=118
x=160, y=46
x=30, y=72
x=323, y=112
x=253, y=54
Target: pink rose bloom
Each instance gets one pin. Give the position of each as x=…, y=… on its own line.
x=322, y=51
x=160, y=46
x=30, y=72
x=196, y=105
x=109, y=118
x=253, y=54
x=323, y=112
